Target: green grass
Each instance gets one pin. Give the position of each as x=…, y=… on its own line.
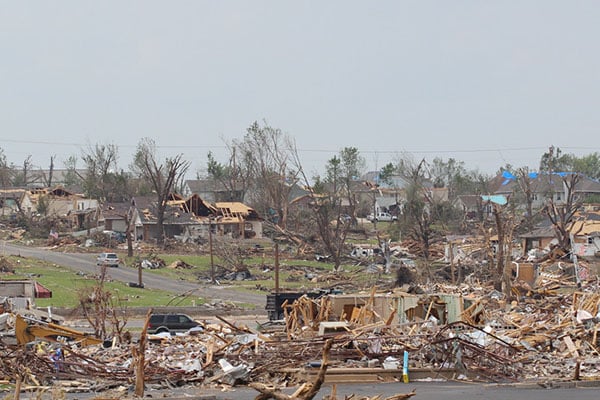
x=66, y=287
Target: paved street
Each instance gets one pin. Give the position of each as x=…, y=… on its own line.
x=424, y=391
x=87, y=264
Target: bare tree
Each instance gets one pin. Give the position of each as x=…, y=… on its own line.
x=24, y=177
x=101, y=307
x=48, y=178
x=101, y=171
x=562, y=215
x=234, y=176
x=504, y=217
x=525, y=180
x=269, y=155
x=130, y=218
x=332, y=220
x=163, y=177
x=72, y=176
x=419, y=205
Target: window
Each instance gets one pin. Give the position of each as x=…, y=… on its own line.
x=558, y=196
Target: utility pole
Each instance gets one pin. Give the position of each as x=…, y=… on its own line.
x=210, y=245
x=276, y=268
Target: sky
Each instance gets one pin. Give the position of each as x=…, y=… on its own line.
x=488, y=83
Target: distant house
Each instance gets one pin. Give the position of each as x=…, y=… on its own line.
x=473, y=207
x=238, y=220
x=14, y=201
x=75, y=210
x=114, y=217
x=213, y=191
x=185, y=218
x=585, y=235
x=390, y=195
x=44, y=178
x=538, y=239
x=550, y=187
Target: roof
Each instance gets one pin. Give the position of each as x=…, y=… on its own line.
x=551, y=183
x=542, y=232
x=209, y=185
x=236, y=209
x=470, y=200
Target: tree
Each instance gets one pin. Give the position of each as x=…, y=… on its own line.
x=386, y=173
x=446, y=173
x=562, y=215
x=420, y=206
x=588, y=165
x=554, y=160
x=72, y=177
x=333, y=221
x=24, y=177
x=234, y=176
x=102, y=179
x=270, y=158
x=163, y=177
x=525, y=180
x=5, y=170
x=506, y=224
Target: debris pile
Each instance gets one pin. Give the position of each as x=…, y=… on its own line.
x=546, y=335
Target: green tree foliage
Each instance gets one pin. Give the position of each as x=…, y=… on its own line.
x=234, y=176
x=6, y=171
x=102, y=179
x=333, y=202
x=24, y=177
x=386, y=173
x=555, y=161
x=453, y=175
x=588, y=165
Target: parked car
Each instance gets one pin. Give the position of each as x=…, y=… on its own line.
x=381, y=216
x=170, y=323
x=108, y=259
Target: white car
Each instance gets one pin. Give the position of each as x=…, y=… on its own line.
x=382, y=216
x=108, y=259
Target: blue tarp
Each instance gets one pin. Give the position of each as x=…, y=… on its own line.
x=497, y=199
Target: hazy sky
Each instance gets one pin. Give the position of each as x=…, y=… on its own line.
x=486, y=82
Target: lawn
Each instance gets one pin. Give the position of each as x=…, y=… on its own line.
x=294, y=274
x=67, y=286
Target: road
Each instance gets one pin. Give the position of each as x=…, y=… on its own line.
x=434, y=391
x=87, y=263
x=424, y=391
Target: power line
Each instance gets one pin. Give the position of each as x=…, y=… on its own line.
x=308, y=150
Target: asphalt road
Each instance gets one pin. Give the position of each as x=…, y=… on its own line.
x=87, y=264
x=433, y=391
x=423, y=390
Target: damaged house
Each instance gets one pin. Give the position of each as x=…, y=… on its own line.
x=553, y=187
x=237, y=220
x=399, y=307
x=75, y=210
x=15, y=201
x=214, y=191
x=585, y=236
x=186, y=219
